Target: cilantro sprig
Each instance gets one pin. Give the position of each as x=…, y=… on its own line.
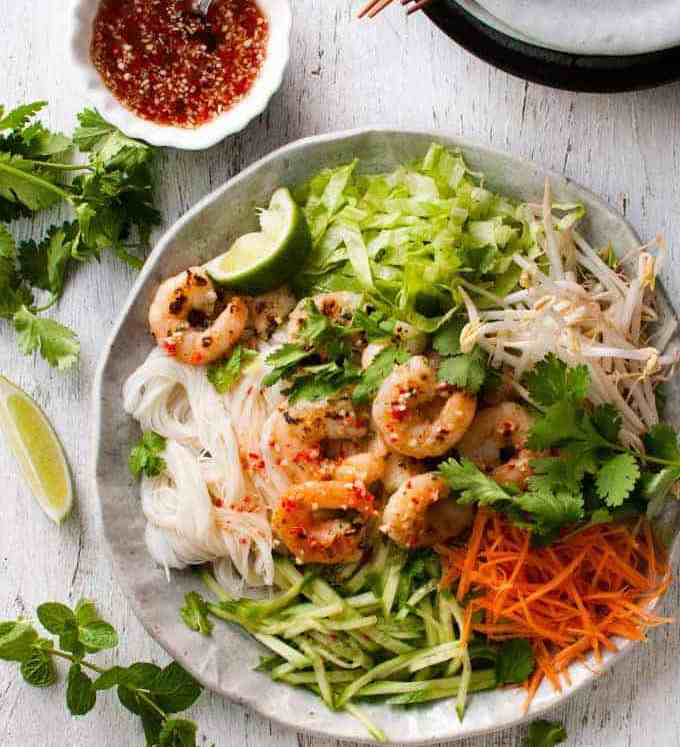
x=585, y=472
x=153, y=693
x=225, y=373
x=319, y=363
x=145, y=457
x=463, y=370
x=111, y=199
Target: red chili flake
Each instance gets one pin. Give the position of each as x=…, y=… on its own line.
x=218, y=502
x=196, y=359
x=170, y=348
x=171, y=65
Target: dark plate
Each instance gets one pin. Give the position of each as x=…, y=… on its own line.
x=588, y=73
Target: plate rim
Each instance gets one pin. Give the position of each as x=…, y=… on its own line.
x=98, y=452
x=562, y=70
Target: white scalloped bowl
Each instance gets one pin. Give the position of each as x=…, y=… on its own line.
x=279, y=17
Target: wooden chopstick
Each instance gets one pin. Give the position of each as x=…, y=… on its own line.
x=373, y=7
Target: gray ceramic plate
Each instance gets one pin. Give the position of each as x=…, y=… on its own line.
x=624, y=27
x=225, y=661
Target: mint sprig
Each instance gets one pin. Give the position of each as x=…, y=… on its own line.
x=153, y=693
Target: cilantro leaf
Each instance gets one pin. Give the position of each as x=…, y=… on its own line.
x=323, y=380
x=55, y=342
x=107, y=144
x=13, y=293
x=195, y=613
x=17, y=118
x=38, y=142
x=473, y=484
x=607, y=421
x=616, y=479
x=662, y=442
x=145, y=456
x=545, y=734
x=45, y=265
x=22, y=183
x=375, y=325
x=283, y=362
x=551, y=381
x=551, y=508
x=377, y=371
x=225, y=373
x=465, y=371
x=446, y=340
x=547, y=508
x=515, y=662
x=563, y=422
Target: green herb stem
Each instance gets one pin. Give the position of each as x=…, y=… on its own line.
x=38, y=182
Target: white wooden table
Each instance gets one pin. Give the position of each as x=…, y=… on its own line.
x=342, y=74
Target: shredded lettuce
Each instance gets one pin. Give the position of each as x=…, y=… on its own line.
x=408, y=238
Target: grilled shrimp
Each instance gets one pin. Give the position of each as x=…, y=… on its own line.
x=495, y=430
x=305, y=436
x=269, y=310
x=190, y=322
x=324, y=522
x=398, y=469
x=418, y=418
x=421, y=514
x=339, y=307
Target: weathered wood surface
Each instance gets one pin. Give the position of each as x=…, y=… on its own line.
x=342, y=74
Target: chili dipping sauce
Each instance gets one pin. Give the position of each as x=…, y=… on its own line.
x=170, y=65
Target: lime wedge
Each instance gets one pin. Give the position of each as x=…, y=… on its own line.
x=258, y=262
x=37, y=450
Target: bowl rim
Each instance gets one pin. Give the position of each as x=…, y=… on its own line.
x=233, y=120
x=291, y=149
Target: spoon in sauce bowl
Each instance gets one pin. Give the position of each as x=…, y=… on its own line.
x=202, y=6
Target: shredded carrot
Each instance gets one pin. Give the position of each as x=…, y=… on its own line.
x=569, y=599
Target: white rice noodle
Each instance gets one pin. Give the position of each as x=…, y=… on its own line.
x=205, y=507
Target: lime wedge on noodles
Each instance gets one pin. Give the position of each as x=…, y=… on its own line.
x=37, y=450
x=260, y=261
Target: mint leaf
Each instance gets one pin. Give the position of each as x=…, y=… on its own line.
x=145, y=457
x=616, y=479
x=545, y=734
x=551, y=381
x=55, y=617
x=98, y=635
x=225, y=373
x=80, y=695
x=56, y=343
x=465, y=371
x=515, y=662
x=38, y=668
x=110, y=678
x=178, y=733
x=16, y=640
x=69, y=640
x=378, y=370
x=86, y=612
x=195, y=613
x=174, y=689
